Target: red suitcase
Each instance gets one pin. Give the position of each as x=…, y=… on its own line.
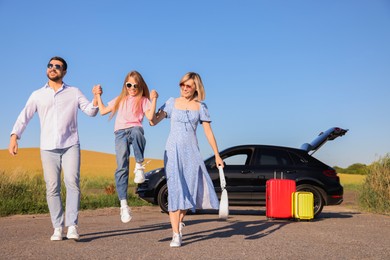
x=278, y=197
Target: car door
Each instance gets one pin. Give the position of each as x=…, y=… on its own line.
x=238, y=174
x=269, y=160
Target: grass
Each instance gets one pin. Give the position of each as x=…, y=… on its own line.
x=373, y=187
x=375, y=192
x=22, y=187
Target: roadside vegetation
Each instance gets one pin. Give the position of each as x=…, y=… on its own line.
x=22, y=187
x=23, y=190
x=375, y=192
x=372, y=182
x=25, y=193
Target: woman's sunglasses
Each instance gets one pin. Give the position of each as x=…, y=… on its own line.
x=182, y=85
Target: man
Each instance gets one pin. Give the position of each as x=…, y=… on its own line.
x=57, y=105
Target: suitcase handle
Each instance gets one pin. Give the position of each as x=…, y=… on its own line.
x=281, y=174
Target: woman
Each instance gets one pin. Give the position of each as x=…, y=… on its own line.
x=130, y=107
x=189, y=184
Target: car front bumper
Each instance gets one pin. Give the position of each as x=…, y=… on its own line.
x=145, y=193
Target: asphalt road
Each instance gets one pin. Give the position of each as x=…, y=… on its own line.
x=339, y=233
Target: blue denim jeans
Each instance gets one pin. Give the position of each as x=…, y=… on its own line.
x=124, y=138
x=69, y=160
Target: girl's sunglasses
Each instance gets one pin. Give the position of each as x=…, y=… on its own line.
x=129, y=85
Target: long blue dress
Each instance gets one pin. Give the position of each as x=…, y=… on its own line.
x=189, y=183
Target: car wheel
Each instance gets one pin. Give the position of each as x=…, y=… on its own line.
x=318, y=199
x=162, y=198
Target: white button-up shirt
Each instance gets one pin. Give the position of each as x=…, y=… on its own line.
x=57, y=113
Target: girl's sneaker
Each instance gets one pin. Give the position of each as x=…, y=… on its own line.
x=125, y=214
x=139, y=175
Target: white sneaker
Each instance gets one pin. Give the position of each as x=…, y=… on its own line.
x=181, y=226
x=57, y=235
x=126, y=214
x=176, y=240
x=139, y=175
x=72, y=233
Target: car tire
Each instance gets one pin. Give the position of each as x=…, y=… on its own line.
x=319, y=201
x=162, y=198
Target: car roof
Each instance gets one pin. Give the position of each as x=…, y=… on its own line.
x=329, y=135
x=259, y=146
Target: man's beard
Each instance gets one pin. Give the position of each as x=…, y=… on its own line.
x=54, y=78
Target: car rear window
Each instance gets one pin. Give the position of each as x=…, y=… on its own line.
x=273, y=157
x=299, y=160
x=304, y=159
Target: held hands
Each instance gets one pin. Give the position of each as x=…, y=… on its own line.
x=151, y=115
x=97, y=90
x=153, y=94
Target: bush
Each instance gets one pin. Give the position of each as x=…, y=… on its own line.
x=356, y=168
x=375, y=193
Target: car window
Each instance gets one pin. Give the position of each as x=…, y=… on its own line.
x=298, y=160
x=273, y=157
x=236, y=159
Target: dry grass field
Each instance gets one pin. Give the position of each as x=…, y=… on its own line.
x=93, y=164
x=351, y=179
x=96, y=164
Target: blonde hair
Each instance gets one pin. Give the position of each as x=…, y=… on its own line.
x=143, y=92
x=200, y=93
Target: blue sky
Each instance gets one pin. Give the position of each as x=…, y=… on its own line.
x=275, y=72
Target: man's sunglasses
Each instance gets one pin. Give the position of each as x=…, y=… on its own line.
x=56, y=66
x=129, y=85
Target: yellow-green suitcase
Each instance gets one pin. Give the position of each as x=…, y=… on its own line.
x=303, y=205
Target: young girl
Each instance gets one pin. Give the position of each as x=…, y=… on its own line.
x=189, y=183
x=130, y=107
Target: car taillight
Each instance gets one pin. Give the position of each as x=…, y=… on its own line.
x=330, y=173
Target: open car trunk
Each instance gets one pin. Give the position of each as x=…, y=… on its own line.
x=322, y=138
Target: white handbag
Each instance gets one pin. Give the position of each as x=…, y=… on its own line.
x=224, y=203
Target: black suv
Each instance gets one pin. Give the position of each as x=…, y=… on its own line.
x=248, y=167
